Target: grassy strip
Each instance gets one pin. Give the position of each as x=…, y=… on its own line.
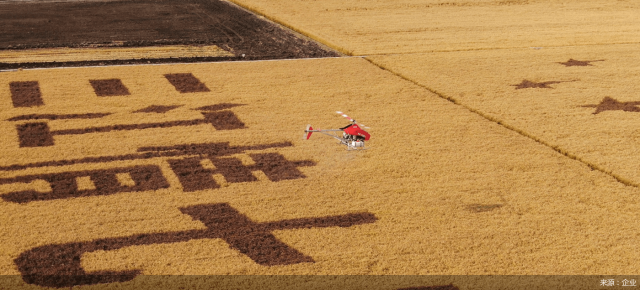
x=113, y=53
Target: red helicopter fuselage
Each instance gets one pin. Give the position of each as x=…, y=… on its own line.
x=353, y=136
x=355, y=130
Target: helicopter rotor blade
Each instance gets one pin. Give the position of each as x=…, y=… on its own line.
x=352, y=120
x=345, y=115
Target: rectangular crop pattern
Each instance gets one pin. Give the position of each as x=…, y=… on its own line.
x=186, y=83
x=26, y=94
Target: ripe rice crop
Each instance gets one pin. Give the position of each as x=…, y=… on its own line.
x=419, y=26
x=200, y=169
x=582, y=101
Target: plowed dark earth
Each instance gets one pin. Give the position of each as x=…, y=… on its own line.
x=147, y=23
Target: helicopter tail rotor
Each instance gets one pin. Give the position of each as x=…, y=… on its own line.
x=307, y=132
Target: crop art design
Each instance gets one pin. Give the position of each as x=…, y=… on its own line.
x=185, y=160
x=611, y=104
x=60, y=266
x=196, y=167
x=186, y=83
x=606, y=104
x=110, y=87
x=39, y=134
x=527, y=84
x=26, y=94
x=573, y=62
x=193, y=176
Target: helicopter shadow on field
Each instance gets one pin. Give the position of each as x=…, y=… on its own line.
x=336, y=160
x=487, y=207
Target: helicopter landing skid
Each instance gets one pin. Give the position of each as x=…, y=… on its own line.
x=353, y=145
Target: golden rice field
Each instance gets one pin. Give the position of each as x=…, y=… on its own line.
x=503, y=143
x=440, y=191
x=417, y=26
x=580, y=100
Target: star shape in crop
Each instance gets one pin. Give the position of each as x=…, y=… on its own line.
x=611, y=104
x=573, y=62
x=526, y=84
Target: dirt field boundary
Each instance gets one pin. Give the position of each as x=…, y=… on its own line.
x=321, y=40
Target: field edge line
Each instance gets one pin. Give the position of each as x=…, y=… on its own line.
x=304, y=33
x=512, y=128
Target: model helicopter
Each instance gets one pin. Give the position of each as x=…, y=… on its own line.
x=353, y=136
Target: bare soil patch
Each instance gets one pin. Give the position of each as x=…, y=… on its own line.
x=147, y=23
